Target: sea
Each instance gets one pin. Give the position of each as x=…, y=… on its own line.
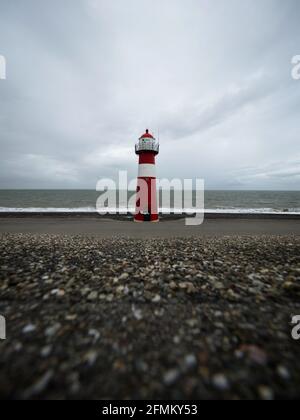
x=84, y=201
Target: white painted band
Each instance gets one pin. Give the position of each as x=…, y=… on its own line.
x=147, y=170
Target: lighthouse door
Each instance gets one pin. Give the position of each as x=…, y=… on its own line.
x=147, y=217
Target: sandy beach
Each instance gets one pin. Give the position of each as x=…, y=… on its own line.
x=111, y=309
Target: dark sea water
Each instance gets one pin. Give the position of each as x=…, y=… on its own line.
x=85, y=201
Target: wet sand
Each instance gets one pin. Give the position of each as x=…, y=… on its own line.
x=104, y=227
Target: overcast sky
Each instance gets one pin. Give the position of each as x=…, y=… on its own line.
x=86, y=77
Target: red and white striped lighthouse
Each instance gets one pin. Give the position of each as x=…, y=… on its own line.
x=147, y=149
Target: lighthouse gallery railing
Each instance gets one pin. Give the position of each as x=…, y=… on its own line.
x=149, y=146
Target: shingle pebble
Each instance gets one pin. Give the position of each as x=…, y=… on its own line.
x=121, y=318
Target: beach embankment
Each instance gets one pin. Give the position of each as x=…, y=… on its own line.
x=207, y=317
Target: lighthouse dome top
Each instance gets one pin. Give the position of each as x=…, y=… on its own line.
x=147, y=144
x=147, y=135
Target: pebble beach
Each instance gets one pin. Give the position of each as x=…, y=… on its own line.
x=163, y=318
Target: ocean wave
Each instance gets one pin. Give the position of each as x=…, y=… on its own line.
x=46, y=210
x=124, y=210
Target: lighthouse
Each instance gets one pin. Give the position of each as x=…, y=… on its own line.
x=147, y=149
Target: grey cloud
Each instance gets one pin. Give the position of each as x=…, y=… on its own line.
x=85, y=78
x=288, y=173
x=201, y=117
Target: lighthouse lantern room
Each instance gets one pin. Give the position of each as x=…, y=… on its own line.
x=147, y=149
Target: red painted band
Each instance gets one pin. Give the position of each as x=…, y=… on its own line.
x=147, y=158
